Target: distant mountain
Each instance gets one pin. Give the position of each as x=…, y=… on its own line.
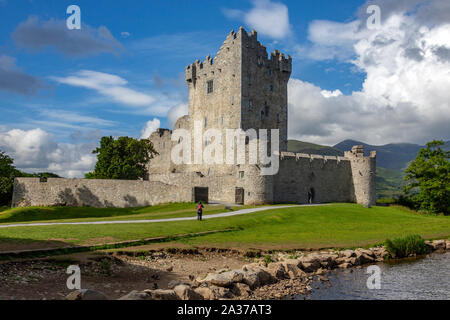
x=311, y=148
x=394, y=156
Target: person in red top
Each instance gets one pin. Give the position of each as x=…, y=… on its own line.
x=199, y=210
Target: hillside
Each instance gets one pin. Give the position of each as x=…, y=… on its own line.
x=389, y=182
x=394, y=156
x=311, y=148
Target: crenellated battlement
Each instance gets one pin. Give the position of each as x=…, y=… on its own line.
x=284, y=155
x=234, y=42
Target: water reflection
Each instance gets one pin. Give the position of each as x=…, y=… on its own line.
x=421, y=278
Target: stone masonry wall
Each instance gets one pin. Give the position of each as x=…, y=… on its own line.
x=95, y=193
x=328, y=178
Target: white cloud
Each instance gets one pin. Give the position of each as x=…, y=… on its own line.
x=329, y=94
x=405, y=95
x=36, y=151
x=64, y=117
x=267, y=17
x=108, y=85
x=177, y=112
x=150, y=127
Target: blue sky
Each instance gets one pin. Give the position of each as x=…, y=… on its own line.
x=164, y=38
x=126, y=67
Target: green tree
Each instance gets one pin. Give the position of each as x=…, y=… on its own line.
x=428, y=179
x=124, y=158
x=7, y=174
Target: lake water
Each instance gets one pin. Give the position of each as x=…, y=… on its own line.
x=421, y=278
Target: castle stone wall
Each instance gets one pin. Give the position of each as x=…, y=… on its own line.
x=329, y=179
x=95, y=193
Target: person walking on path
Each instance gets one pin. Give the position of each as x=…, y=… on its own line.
x=199, y=210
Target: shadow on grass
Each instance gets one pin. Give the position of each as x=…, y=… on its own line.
x=27, y=214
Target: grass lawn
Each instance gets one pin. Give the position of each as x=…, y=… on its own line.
x=336, y=225
x=71, y=214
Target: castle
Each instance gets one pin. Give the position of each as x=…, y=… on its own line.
x=241, y=88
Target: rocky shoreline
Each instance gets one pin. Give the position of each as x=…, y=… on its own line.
x=280, y=277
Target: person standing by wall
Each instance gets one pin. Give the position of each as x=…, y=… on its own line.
x=199, y=210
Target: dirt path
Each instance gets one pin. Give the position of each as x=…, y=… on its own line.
x=212, y=216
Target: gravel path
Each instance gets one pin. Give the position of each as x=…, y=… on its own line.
x=211, y=216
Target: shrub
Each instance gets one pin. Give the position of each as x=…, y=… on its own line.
x=407, y=246
x=267, y=259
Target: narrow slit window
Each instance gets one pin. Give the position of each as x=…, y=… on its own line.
x=266, y=109
x=210, y=86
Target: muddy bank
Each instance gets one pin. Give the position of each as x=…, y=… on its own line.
x=170, y=273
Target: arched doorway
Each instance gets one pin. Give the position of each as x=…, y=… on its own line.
x=311, y=194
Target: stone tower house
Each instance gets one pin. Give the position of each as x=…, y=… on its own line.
x=241, y=87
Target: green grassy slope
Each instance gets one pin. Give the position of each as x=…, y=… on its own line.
x=70, y=214
x=337, y=225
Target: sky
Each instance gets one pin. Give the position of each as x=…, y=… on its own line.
x=377, y=81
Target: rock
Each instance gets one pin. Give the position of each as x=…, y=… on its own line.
x=136, y=295
x=224, y=279
x=257, y=277
x=380, y=253
x=264, y=277
x=277, y=270
x=169, y=269
x=213, y=292
x=340, y=260
x=323, y=278
x=86, y=294
x=184, y=292
x=363, y=257
x=310, y=263
x=344, y=265
x=319, y=271
x=160, y=294
x=353, y=261
x=251, y=279
x=241, y=289
x=172, y=284
x=365, y=251
x=347, y=254
x=250, y=266
x=292, y=269
x=438, y=245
